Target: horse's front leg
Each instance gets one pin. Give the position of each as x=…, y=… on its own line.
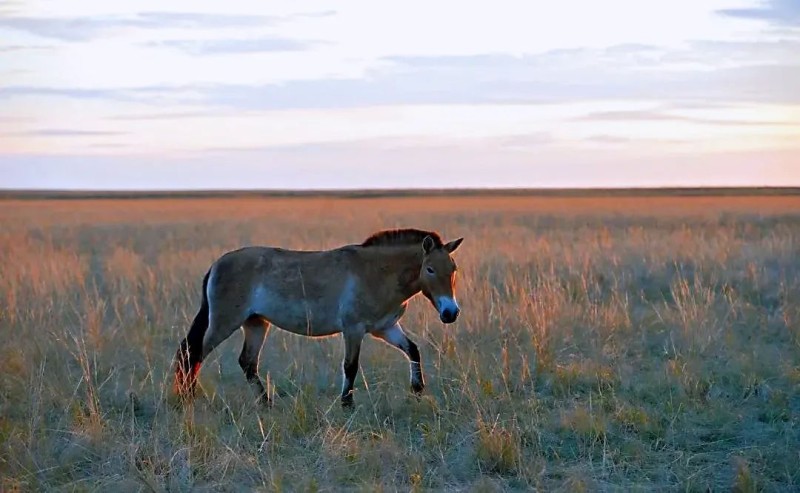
x=352, y=348
x=394, y=336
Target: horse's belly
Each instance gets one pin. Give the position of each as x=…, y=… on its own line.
x=297, y=316
x=307, y=326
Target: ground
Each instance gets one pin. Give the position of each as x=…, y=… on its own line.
x=605, y=343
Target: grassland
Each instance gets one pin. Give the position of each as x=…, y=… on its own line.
x=618, y=343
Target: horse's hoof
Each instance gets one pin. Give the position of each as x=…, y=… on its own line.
x=347, y=401
x=417, y=388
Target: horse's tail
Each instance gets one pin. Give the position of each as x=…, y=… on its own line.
x=190, y=353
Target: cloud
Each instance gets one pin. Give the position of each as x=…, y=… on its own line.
x=157, y=20
x=620, y=140
x=10, y=73
x=311, y=15
x=343, y=93
x=10, y=7
x=708, y=52
x=16, y=48
x=569, y=57
x=772, y=83
x=72, y=93
x=229, y=46
x=65, y=132
x=523, y=142
x=608, y=139
x=15, y=119
x=759, y=72
x=87, y=28
x=777, y=12
x=632, y=48
x=632, y=58
x=177, y=115
x=655, y=115
x=110, y=145
x=698, y=105
x=151, y=95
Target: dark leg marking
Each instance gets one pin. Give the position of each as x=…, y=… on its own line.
x=189, y=356
x=352, y=349
x=417, y=380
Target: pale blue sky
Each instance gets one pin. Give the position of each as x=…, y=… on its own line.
x=234, y=94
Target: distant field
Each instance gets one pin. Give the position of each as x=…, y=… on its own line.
x=636, y=342
x=399, y=193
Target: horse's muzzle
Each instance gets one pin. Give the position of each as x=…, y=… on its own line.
x=449, y=315
x=447, y=308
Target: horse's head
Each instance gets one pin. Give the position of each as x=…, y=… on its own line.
x=438, y=277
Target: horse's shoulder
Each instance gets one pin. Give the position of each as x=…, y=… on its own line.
x=347, y=251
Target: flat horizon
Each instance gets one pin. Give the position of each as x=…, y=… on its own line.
x=389, y=191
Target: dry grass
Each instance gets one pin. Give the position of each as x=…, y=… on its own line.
x=604, y=344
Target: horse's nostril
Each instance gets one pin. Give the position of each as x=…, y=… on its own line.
x=449, y=315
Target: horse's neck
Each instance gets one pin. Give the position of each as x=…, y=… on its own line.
x=399, y=269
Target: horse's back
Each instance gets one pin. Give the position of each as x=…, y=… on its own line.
x=297, y=290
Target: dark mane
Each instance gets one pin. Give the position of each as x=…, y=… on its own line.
x=396, y=237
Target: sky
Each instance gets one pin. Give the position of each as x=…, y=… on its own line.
x=448, y=94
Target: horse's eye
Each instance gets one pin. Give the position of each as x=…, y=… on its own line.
x=429, y=270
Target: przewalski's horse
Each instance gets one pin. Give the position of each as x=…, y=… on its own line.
x=354, y=290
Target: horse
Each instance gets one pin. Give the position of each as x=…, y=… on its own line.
x=353, y=290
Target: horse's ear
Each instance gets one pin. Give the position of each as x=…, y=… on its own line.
x=451, y=247
x=428, y=245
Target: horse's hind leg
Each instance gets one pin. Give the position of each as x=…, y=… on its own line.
x=255, y=332
x=352, y=349
x=190, y=352
x=220, y=327
x=190, y=355
x=394, y=336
